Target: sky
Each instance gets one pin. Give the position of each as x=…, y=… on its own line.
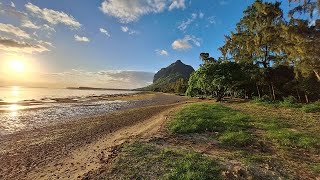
x=108, y=43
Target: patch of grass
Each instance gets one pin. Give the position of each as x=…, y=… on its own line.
x=144, y=161
x=315, y=167
x=190, y=165
x=208, y=117
x=232, y=126
x=237, y=139
x=292, y=138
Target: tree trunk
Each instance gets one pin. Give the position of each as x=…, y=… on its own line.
x=273, y=93
x=298, y=94
x=317, y=74
x=266, y=57
x=270, y=91
x=220, y=95
x=306, y=97
x=258, y=90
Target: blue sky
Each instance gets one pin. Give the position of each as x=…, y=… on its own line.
x=92, y=36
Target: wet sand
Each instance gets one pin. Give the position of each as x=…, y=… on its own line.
x=70, y=149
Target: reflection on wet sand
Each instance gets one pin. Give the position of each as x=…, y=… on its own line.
x=17, y=117
x=14, y=124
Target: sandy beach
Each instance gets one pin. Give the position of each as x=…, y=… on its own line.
x=70, y=149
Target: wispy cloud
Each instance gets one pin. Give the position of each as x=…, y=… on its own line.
x=81, y=38
x=12, y=4
x=177, y=4
x=162, y=52
x=10, y=45
x=29, y=24
x=184, y=25
x=223, y=2
x=130, y=11
x=47, y=27
x=11, y=11
x=193, y=17
x=10, y=29
x=212, y=20
x=126, y=29
x=105, y=32
x=52, y=16
x=186, y=43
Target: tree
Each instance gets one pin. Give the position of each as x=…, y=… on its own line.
x=205, y=57
x=215, y=79
x=258, y=37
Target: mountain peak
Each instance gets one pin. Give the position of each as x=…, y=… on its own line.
x=177, y=69
x=178, y=62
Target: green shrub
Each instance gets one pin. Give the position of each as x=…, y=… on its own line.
x=290, y=102
x=263, y=99
x=312, y=108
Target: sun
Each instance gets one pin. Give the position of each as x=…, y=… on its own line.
x=16, y=66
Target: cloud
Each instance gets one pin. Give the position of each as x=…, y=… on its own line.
x=186, y=43
x=177, y=4
x=201, y=15
x=132, y=10
x=46, y=43
x=162, y=52
x=126, y=29
x=12, y=4
x=10, y=29
x=184, y=25
x=81, y=38
x=15, y=46
x=223, y=2
x=47, y=27
x=52, y=16
x=212, y=20
x=11, y=11
x=28, y=24
x=104, y=31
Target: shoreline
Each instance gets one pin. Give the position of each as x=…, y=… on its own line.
x=71, y=99
x=29, y=151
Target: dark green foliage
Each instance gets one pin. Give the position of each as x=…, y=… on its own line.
x=215, y=79
x=265, y=56
x=290, y=102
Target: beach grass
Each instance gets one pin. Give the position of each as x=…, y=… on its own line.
x=140, y=160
